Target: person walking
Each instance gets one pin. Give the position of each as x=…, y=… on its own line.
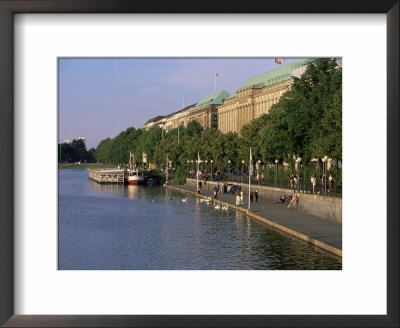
x=322, y=183
x=291, y=180
x=237, y=194
x=251, y=195
x=256, y=194
x=241, y=196
x=262, y=177
x=314, y=183
x=215, y=192
x=331, y=182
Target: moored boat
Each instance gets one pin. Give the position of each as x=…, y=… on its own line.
x=133, y=175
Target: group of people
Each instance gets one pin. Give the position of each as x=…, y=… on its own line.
x=240, y=195
x=318, y=186
x=262, y=176
x=237, y=191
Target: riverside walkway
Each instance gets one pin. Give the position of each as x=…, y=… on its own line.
x=321, y=233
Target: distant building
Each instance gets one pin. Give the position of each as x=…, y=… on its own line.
x=151, y=122
x=205, y=111
x=67, y=141
x=177, y=118
x=82, y=138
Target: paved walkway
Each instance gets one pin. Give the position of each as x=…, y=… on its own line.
x=322, y=233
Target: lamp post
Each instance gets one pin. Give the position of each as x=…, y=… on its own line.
x=324, y=162
x=258, y=171
x=192, y=165
x=229, y=166
x=212, y=171
x=242, y=170
x=276, y=173
x=298, y=161
x=187, y=168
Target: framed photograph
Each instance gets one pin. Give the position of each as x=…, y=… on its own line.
x=50, y=47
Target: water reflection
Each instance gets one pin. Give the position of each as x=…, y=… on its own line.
x=132, y=191
x=150, y=228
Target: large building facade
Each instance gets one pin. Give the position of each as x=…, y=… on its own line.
x=257, y=95
x=229, y=113
x=205, y=111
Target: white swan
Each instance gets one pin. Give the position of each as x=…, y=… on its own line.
x=217, y=207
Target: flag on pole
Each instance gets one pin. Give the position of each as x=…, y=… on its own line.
x=251, y=163
x=216, y=74
x=197, y=173
x=250, y=173
x=277, y=61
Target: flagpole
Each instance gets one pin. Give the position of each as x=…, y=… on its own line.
x=250, y=169
x=215, y=83
x=167, y=171
x=197, y=172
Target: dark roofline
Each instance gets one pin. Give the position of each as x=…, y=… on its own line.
x=154, y=119
x=182, y=110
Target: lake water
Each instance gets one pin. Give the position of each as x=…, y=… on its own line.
x=122, y=227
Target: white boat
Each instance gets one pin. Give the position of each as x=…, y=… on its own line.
x=133, y=175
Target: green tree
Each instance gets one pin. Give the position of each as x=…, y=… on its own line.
x=147, y=141
x=102, y=152
x=295, y=124
x=329, y=141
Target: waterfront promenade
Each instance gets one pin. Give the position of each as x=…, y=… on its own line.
x=321, y=233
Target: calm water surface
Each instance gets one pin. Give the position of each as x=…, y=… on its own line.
x=117, y=227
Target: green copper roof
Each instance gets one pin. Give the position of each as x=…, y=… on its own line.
x=277, y=75
x=216, y=98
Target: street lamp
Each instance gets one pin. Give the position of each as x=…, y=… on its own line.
x=298, y=161
x=187, y=168
x=324, y=162
x=242, y=170
x=276, y=175
x=212, y=171
x=229, y=166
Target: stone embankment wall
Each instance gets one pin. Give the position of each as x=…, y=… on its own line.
x=327, y=208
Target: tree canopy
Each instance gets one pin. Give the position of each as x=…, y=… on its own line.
x=75, y=152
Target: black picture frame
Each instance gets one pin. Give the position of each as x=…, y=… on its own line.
x=10, y=7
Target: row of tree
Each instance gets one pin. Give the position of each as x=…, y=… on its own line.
x=75, y=152
x=306, y=122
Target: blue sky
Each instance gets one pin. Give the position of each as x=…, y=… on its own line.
x=99, y=98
